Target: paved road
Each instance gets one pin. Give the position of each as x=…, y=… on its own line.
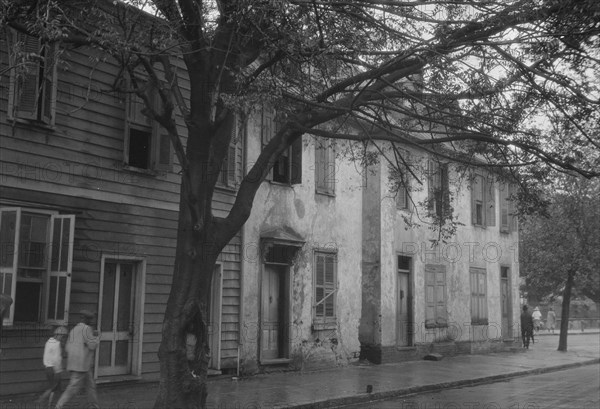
x=577, y=388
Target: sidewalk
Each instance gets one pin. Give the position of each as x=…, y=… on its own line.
x=348, y=385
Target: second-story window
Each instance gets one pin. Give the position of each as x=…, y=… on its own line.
x=508, y=211
x=483, y=201
x=324, y=166
x=287, y=168
x=230, y=166
x=146, y=146
x=438, y=199
x=33, y=78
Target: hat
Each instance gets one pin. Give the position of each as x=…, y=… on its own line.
x=87, y=314
x=61, y=331
x=536, y=309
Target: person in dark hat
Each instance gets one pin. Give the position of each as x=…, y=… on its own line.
x=83, y=341
x=526, y=327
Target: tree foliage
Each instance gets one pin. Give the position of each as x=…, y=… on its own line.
x=566, y=239
x=511, y=86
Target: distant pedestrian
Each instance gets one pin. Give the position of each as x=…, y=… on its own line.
x=82, y=342
x=551, y=320
x=537, y=318
x=54, y=352
x=526, y=327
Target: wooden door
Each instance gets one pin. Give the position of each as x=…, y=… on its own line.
x=506, y=304
x=402, y=316
x=273, y=312
x=116, y=319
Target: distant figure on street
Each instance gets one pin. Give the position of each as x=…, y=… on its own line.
x=537, y=318
x=54, y=351
x=526, y=327
x=551, y=320
x=82, y=342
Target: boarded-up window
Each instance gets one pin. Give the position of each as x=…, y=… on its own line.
x=324, y=166
x=483, y=201
x=325, y=278
x=479, y=315
x=436, y=314
x=32, y=83
x=508, y=214
x=438, y=188
x=287, y=168
x=36, y=263
x=147, y=146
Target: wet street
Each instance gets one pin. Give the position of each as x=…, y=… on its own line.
x=577, y=388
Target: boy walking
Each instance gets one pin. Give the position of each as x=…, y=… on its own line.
x=53, y=362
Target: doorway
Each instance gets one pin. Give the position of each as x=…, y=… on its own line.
x=505, y=298
x=274, y=312
x=119, y=317
x=404, y=321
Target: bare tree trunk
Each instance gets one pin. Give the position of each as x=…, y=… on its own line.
x=564, y=315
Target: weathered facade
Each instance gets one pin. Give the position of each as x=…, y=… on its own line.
x=457, y=296
x=89, y=205
x=325, y=269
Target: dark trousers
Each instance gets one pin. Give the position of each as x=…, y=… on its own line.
x=54, y=386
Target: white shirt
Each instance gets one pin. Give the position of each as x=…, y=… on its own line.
x=536, y=315
x=53, y=355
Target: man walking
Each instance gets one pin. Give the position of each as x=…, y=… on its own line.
x=526, y=326
x=82, y=342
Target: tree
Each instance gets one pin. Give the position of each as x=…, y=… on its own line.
x=481, y=83
x=560, y=251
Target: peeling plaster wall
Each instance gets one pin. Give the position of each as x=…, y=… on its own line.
x=324, y=222
x=472, y=246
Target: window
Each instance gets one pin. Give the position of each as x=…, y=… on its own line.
x=35, y=264
x=403, y=181
x=508, y=218
x=479, y=314
x=288, y=167
x=325, y=287
x=32, y=84
x=483, y=202
x=324, y=166
x=439, y=191
x=147, y=146
x=436, y=314
x=228, y=174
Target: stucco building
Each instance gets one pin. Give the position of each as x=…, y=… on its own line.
x=325, y=269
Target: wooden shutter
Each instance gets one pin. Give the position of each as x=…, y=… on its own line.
x=431, y=184
x=441, y=317
x=436, y=313
x=60, y=268
x=24, y=88
x=296, y=162
x=512, y=209
x=164, y=160
x=504, y=208
x=474, y=197
x=48, y=88
x=490, y=204
x=10, y=221
x=444, y=194
x=320, y=165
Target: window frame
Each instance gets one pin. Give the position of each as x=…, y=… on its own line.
x=228, y=174
x=160, y=152
x=438, y=184
x=269, y=126
x=487, y=201
x=507, y=209
x=436, y=309
x=43, y=110
x=402, y=197
x=323, y=321
x=478, y=290
x=325, y=172
x=49, y=270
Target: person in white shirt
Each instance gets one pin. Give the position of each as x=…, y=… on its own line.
x=537, y=318
x=54, y=351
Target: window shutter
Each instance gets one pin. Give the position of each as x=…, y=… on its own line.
x=490, y=208
x=296, y=162
x=164, y=161
x=512, y=209
x=441, y=312
x=431, y=172
x=24, y=92
x=48, y=98
x=231, y=180
x=60, y=268
x=10, y=220
x=430, y=296
x=474, y=188
x=504, y=204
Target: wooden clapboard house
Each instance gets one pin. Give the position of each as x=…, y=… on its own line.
x=88, y=214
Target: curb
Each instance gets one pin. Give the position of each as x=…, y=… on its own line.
x=375, y=396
